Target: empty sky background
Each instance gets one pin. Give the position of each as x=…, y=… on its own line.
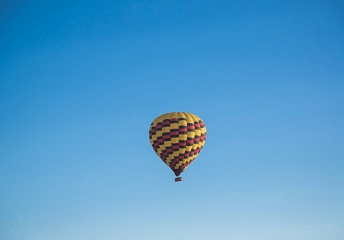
x=81, y=81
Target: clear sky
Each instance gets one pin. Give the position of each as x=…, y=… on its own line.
x=81, y=81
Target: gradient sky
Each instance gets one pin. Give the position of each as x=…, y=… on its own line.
x=81, y=81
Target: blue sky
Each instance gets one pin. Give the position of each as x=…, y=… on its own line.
x=81, y=81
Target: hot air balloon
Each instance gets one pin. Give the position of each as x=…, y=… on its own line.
x=177, y=138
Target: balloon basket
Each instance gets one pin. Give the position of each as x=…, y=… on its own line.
x=178, y=179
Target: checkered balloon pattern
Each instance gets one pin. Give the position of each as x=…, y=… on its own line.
x=177, y=138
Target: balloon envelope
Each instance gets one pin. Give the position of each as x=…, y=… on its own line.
x=177, y=138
